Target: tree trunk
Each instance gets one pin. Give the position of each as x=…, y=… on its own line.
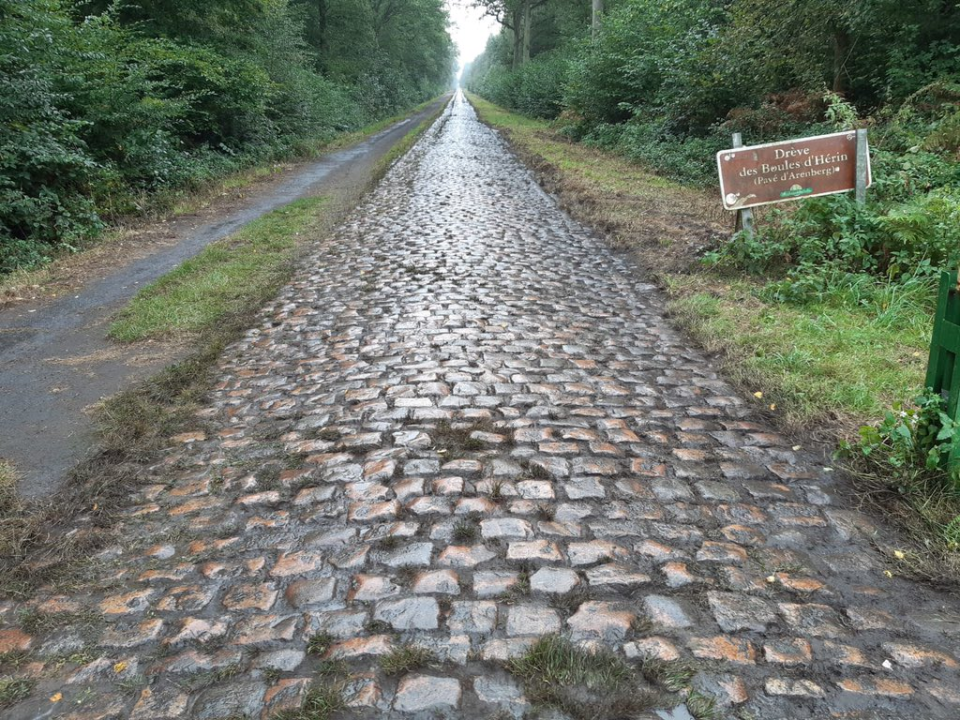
x=597, y=12
x=527, y=22
x=841, y=47
x=517, y=21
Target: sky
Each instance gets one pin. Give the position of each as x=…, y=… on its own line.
x=470, y=29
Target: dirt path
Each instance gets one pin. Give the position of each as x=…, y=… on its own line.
x=55, y=360
x=466, y=425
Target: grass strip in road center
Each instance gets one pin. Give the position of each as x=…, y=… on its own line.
x=226, y=277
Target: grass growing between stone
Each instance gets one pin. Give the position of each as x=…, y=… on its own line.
x=322, y=701
x=405, y=658
x=558, y=674
x=13, y=690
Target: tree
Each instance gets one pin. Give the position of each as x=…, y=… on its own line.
x=516, y=16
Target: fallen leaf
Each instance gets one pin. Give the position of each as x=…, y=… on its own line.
x=899, y=554
x=120, y=667
x=758, y=395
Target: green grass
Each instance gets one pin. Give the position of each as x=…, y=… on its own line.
x=225, y=278
x=825, y=367
x=321, y=703
x=818, y=366
x=13, y=690
x=319, y=644
x=232, y=276
x=405, y=658
x=211, y=300
x=594, y=686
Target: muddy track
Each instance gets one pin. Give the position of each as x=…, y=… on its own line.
x=56, y=363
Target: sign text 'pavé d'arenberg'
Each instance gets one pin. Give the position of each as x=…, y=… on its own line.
x=790, y=170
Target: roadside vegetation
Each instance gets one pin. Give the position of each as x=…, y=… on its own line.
x=824, y=314
x=111, y=108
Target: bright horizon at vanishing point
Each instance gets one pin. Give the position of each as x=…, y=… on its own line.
x=470, y=30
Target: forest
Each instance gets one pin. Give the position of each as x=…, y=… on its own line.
x=107, y=104
x=666, y=83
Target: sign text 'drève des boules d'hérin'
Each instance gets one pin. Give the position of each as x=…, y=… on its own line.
x=790, y=170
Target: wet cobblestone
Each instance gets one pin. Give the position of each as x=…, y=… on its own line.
x=465, y=424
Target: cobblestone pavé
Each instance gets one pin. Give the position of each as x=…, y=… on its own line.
x=467, y=423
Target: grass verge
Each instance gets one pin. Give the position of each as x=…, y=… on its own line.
x=226, y=277
x=822, y=368
x=51, y=541
x=232, y=275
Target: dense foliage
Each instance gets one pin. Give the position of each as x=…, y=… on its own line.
x=666, y=82
x=105, y=101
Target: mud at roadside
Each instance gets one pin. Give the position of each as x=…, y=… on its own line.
x=56, y=363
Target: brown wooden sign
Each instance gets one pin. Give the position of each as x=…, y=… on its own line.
x=790, y=170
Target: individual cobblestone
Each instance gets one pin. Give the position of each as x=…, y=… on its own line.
x=465, y=424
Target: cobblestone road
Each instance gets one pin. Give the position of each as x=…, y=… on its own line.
x=467, y=424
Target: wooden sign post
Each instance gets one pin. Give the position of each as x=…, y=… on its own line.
x=744, y=217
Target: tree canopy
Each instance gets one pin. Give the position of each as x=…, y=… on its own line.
x=104, y=101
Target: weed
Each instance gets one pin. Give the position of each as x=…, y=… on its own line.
x=35, y=622
x=568, y=602
x=207, y=679
x=271, y=675
x=377, y=627
x=319, y=643
x=131, y=683
x=900, y=467
x=14, y=660
x=322, y=701
x=465, y=531
x=406, y=574
x=13, y=690
x=673, y=676
x=538, y=472
x=496, y=492
x=328, y=434
x=390, y=542
x=597, y=686
x=268, y=478
x=641, y=625
x=546, y=512
x=332, y=668
x=405, y=658
x=701, y=706
x=456, y=442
